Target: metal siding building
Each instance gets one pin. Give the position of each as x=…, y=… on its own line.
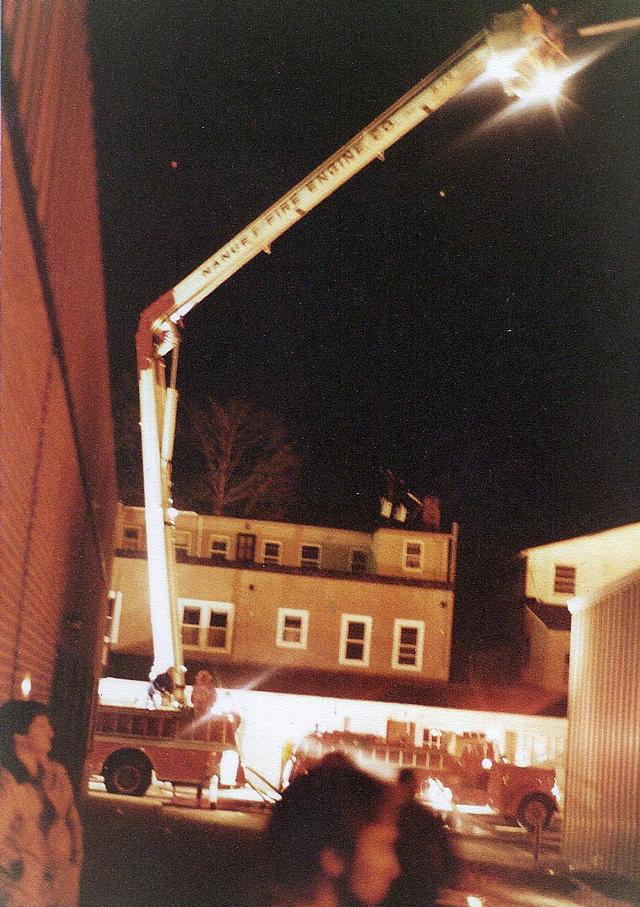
x=602, y=811
x=57, y=478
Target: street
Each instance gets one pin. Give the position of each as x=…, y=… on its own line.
x=149, y=851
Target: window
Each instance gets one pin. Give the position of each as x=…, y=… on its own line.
x=112, y=625
x=245, y=547
x=565, y=579
x=355, y=639
x=207, y=625
x=217, y=629
x=191, y=626
x=182, y=541
x=271, y=552
x=292, y=629
x=413, y=555
x=408, y=644
x=310, y=557
x=219, y=548
x=358, y=561
x=131, y=538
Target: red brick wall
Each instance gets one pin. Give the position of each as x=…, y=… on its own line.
x=57, y=480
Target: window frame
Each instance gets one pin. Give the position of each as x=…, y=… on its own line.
x=131, y=543
x=365, y=564
x=405, y=554
x=189, y=537
x=227, y=544
x=112, y=620
x=398, y=624
x=270, y=559
x=564, y=580
x=206, y=608
x=111, y=624
x=309, y=564
x=367, y=621
x=283, y=613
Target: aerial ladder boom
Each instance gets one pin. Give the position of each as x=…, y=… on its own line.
x=520, y=41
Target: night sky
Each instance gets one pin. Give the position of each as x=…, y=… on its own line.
x=465, y=313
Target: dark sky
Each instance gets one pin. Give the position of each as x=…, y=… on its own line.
x=483, y=344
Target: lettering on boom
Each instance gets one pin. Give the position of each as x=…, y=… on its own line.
x=292, y=207
x=227, y=254
x=287, y=209
x=344, y=161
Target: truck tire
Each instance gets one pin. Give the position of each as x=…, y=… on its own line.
x=535, y=811
x=127, y=772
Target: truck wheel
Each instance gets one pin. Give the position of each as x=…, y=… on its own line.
x=535, y=811
x=127, y=773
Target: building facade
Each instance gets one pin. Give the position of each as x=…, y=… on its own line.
x=57, y=477
x=270, y=594
x=602, y=814
x=550, y=576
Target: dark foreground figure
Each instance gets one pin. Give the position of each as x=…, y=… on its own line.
x=428, y=862
x=330, y=841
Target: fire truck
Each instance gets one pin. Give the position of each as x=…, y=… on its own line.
x=131, y=745
x=456, y=773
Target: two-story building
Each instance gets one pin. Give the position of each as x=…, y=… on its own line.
x=261, y=595
x=311, y=626
x=550, y=576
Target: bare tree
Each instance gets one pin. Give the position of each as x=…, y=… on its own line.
x=251, y=467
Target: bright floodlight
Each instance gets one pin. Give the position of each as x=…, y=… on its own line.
x=526, y=77
x=502, y=67
x=546, y=85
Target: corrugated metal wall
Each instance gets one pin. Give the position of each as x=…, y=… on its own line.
x=602, y=809
x=57, y=479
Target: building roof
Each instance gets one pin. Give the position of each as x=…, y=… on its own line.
x=608, y=531
x=517, y=698
x=554, y=617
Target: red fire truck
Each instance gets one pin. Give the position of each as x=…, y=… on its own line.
x=130, y=744
x=457, y=772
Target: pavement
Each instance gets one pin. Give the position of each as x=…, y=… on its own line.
x=146, y=852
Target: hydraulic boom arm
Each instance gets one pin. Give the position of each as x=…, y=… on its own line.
x=519, y=38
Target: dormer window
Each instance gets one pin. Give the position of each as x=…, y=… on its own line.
x=219, y=548
x=413, y=555
x=131, y=538
x=271, y=553
x=182, y=541
x=310, y=557
x=358, y=561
